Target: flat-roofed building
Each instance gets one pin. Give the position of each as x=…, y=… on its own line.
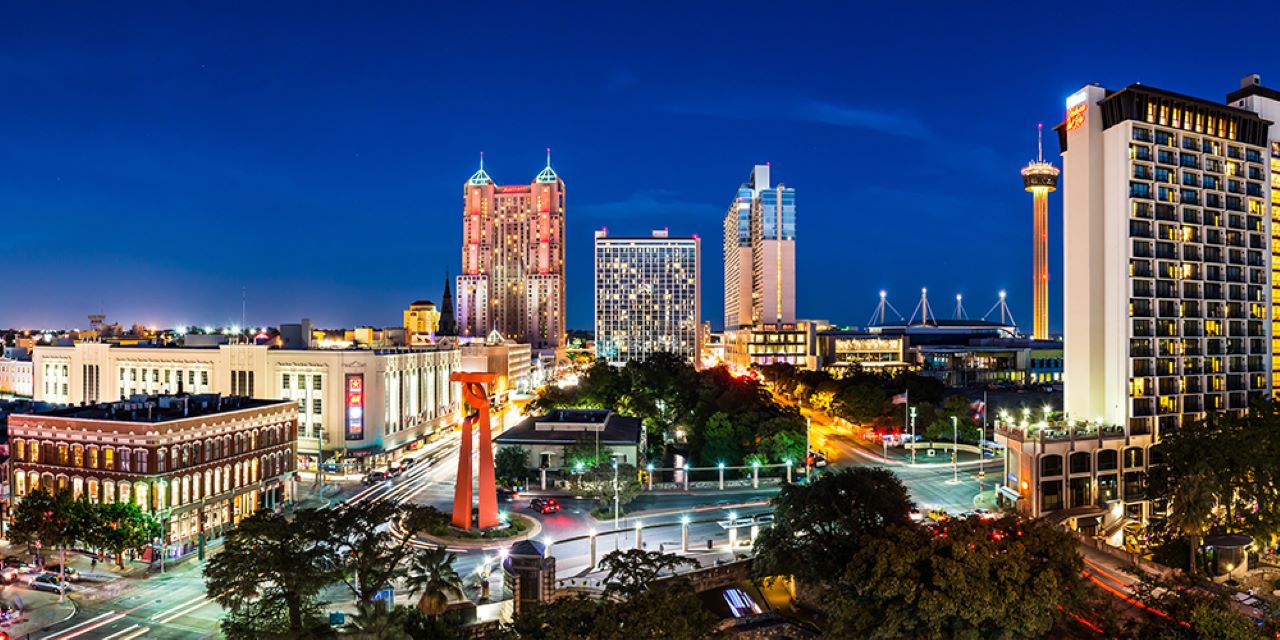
x=199, y=463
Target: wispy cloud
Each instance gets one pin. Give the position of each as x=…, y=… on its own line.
x=804, y=110
x=654, y=205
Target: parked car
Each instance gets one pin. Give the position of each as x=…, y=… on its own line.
x=15, y=562
x=48, y=582
x=56, y=569
x=374, y=477
x=547, y=505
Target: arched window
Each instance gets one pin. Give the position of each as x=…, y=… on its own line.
x=160, y=460
x=77, y=487
x=63, y=455
x=1050, y=465
x=177, y=456
x=125, y=457
x=186, y=490
x=93, y=490
x=186, y=455
x=108, y=458
x=208, y=450
x=91, y=453
x=19, y=484
x=19, y=450
x=63, y=481
x=108, y=491
x=77, y=455
x=141, y=459
x=125, y=495
x=1080, y=462
x=208, y=483
x=142, y=494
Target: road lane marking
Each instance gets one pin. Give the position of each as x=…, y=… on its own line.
x=93, y=623
x=121, y=632
x=136, y=633
x=186, y=611
x=177, y=606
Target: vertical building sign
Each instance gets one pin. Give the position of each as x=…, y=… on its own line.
x=1076, y=107
x=355, y=406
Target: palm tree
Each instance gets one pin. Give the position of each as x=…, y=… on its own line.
x=1191, y=511
x=377, y=622
x=431, y=574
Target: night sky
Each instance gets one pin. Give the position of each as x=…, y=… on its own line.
x=155, y=159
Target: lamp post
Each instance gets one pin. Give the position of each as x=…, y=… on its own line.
x=733, y=530
x=686, y=476
x=755, y=474
x=721, y=467
x=955, y=449
x=684, y=533
x=639, y=535
x=788, y=462
x=616, y=508
x=591, y=537
x=649, y=468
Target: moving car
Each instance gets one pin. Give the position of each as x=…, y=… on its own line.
x=507, y=495
x=407, y=462
x=547, y=505
x=48, y=582
x=939, y=515
x=15, y=562
x=8, y=575
x=56, y=569
x=915, y=515
x=374, y=477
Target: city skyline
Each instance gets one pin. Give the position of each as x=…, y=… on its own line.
x=197, y=156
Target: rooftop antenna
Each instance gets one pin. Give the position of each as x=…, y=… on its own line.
x=1001, y=305
x=923, y=309
x=1040, y=142
x=878, y=316
x=960, y=314
x=242, y=305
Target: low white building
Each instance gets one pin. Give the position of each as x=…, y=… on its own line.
x=358, y=403
x=16, y=377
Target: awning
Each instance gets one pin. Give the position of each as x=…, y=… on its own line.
x=1008, y=493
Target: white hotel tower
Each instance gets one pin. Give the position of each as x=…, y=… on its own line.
x=1167, y=293
x=1167, y=252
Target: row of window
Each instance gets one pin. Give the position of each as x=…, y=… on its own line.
x=161, y=494
x=136, y=460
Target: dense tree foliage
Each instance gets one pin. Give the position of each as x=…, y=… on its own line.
x=818, y=527
x=511, y=464
x=601, y=482
x=630, y=572
x=967, y=579
x=269, y=574
x=710, y=416
x=666, y=610
x=56, y=520
x=1229, y=461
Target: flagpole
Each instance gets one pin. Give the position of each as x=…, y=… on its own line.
x=913, y=427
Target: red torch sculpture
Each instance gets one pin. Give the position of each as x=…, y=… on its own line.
x=473, y=393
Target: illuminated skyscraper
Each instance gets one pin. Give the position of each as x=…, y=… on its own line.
x=1040, y=178
x=759, y=254
x=513, y=259
x=648, y=297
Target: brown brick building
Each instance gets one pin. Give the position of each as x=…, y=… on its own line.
x=197, y=462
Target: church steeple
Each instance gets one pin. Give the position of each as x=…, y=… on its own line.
x=448, y=326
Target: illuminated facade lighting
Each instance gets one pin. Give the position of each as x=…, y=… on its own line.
x=648, y=296
x=1040, y=178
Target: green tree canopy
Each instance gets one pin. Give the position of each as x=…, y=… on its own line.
x=631, y=571
x=511, y=464
x=971, y=579
x=821, y=525
x=270, y=572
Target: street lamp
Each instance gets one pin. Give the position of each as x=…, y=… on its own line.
x=649, y=469
x=720, y=466
x=755, y=474
x=955, y=449
x=616, y=507
x=788, y=463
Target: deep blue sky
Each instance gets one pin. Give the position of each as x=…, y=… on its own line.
x=156, y=158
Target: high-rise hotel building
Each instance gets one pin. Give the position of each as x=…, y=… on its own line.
x=1167, y=279
x=648, y=297
x=1168, y=222
x=512, y=275
x=760, y=254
